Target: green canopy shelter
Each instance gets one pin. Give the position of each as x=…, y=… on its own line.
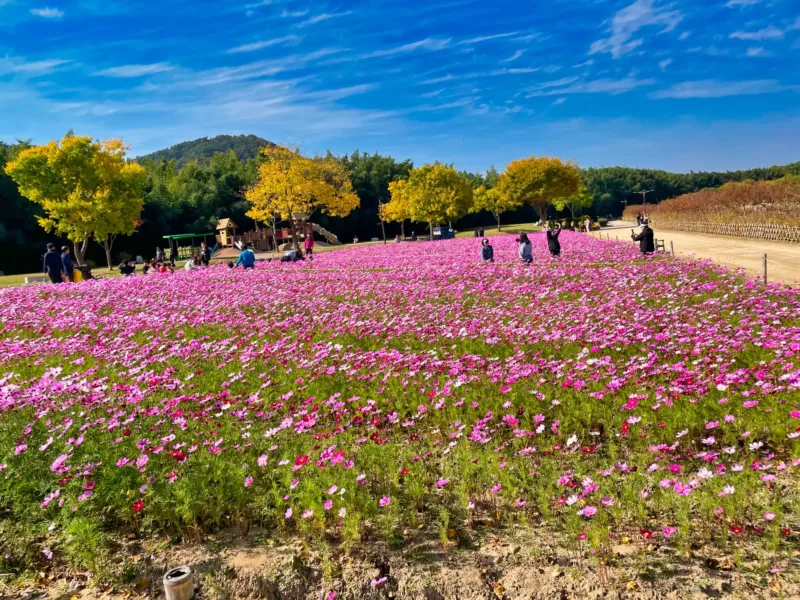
x=188, y=236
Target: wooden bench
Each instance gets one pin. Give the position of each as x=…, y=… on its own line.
x=660, y=247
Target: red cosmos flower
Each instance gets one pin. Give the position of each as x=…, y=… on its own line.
x=736, y=529
x=405, y=472
x=625, y=427
x=581, y=536
x=786, y=531
x=138, y=506
x=301, y=460
x=647, y=534
x=126, y=433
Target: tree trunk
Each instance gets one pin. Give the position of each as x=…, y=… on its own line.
x=383, y=230
x=295, y=242
x=541, y=212
x=403, y=229
x=106, y=244
x=80, y=251
x=497, y=217
x=430, y=231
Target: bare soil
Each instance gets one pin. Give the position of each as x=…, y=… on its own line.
x=529, y=566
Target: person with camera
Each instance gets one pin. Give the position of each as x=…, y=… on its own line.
x=645, y=238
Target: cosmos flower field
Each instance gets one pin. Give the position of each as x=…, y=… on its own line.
x=380, y=392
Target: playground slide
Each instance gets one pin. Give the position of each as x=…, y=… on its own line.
x=332, y=239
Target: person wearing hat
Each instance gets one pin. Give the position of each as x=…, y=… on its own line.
x=645, y=238
x=53, y=265
x=66, y=262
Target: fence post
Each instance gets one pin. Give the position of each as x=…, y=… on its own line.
x=671, y=249
x=765, y=268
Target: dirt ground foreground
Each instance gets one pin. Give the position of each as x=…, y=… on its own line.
x=783, y=259
x=527, y=566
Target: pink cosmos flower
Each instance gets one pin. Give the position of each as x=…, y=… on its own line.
x=262, y=460
x=288, y=514
x=307, y=514
x=588, y=511
x=376, y=582
x=383, y=502
x=248, y=481
x=327, y=505
x=442, y=482
x=669, y=530
x=769, y=516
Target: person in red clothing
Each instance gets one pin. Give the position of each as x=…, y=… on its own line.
x=309, y=244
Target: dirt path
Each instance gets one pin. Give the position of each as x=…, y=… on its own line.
x=783, y=259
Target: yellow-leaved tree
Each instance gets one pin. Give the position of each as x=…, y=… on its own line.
x=492, y=200
x=397, y=209
x=432, y=194
x=538, y=181
x=294, y=187
x=86, y=189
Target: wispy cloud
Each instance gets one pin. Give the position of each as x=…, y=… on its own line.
x=339, y=93
x=612, y=87
x=131, y=71
x=514, y=56
x=323, y=17
x=558, y=101
x=442, y=79
x=47, y=13
x=486, y=38
x=664, y=64
x=285, y=40
x=293, y=14
x=629, y=20
x=426, y=44
x=767, y=33
x=714, y=88
x=261, y=68
x=11, y=64
x=735, y=3
x=757, y=52
x=685, y=35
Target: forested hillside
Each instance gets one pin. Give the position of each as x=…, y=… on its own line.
x=245, y=147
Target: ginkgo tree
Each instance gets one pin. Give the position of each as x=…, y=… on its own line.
x=432, y=194
x=85, y=188
x=491, y=200
x=294, y=187
x=538, y=181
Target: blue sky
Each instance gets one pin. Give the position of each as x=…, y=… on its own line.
x=680, y=85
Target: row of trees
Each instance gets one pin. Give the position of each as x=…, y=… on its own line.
x=437, y=193
x=193, y=197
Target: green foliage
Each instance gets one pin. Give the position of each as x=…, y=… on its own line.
x=245, y=147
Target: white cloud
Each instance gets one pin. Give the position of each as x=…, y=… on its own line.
x=486, y=38
x=47, y=12
x=32, y=69
x=735, y=3
x=441, y=79
x=629, y=20
x=664, y=64
x=757, y=51
x=426, y=44
x=714, y=88
x=514, y=56
x=323, y=17
x=130, y=71
x=612, y=87
x=293, y=14
x=685, y=35
x=767, y=33
x=288, y=40
x=558, y=101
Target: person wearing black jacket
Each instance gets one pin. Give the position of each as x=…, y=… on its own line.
x=552, y=240
x=645, y=238
x=53, y=265
x=66, y=262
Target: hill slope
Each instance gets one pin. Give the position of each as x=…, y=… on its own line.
x=245, y=147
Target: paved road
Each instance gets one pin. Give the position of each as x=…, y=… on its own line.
x=783, y=259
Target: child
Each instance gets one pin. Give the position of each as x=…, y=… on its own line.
x=487, y=252
x=525, y=249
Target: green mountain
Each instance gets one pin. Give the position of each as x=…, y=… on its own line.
x=245, y=147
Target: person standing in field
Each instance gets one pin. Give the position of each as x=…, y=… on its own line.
x=66, y=262
x=159, y=254
x=487, y=252
x=525, y=250
x=552, y=239
x=309, y=245
x=588, y=224
x=645, y=238
x=53, y=265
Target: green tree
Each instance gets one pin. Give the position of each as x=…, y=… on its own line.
x=577, y=202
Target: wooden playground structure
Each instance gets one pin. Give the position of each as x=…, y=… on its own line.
x=267, y=239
